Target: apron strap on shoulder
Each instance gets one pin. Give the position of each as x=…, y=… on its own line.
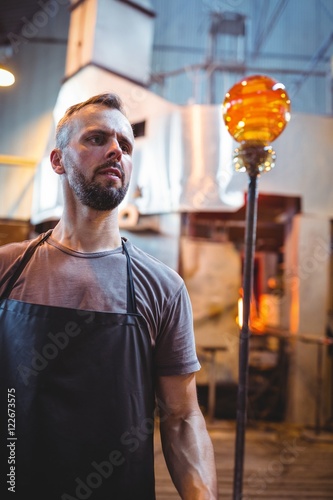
x=25, y=259
x=131, y=302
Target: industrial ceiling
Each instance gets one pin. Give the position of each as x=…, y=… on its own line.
x=13, y=16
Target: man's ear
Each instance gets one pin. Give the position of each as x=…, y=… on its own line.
x=56, y=161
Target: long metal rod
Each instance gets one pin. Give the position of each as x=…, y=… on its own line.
x=250, y=238
x=319, y=386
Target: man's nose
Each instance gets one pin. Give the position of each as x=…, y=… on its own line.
x=114, y=150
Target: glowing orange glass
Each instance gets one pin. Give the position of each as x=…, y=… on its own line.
x=256, y=109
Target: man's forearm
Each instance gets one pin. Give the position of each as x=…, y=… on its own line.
x=189, y=455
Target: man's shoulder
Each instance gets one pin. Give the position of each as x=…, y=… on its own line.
x=11, y=253
x=15, y=248
x=153, y=269
x=10, y=257
x=142, y=256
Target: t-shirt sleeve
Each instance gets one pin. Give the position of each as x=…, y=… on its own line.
x=175, y=352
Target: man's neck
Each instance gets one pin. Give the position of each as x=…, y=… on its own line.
x=91, y=231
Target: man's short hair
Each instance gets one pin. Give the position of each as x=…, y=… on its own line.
x=109, y=100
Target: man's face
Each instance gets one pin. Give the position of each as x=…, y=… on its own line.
x=98, y=158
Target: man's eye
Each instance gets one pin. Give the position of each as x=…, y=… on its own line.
x=125, y=148
x=96, y=139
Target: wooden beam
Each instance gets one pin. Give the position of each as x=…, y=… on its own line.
x=18, y=161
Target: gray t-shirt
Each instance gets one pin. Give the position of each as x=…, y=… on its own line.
x=59, y=276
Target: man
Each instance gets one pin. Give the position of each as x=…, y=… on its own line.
x=95, y=333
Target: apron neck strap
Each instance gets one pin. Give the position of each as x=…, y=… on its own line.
x=131, y=302
x=25, y=259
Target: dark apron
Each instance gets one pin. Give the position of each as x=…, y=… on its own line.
x=84, y=401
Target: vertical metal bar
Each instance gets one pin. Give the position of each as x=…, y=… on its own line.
x=319, y=386
x=250, y=238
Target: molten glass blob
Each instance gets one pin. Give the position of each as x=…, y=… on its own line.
x=256, y=110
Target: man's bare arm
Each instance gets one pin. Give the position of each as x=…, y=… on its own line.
x=186, y=444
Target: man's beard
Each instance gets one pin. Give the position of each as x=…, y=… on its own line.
x=93, y=194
